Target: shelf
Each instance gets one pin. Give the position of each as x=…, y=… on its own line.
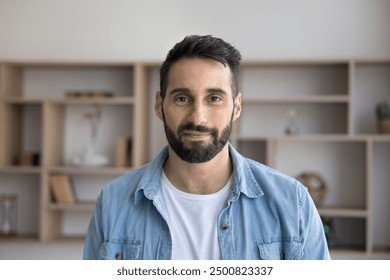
x=63, y=240
x=343, y=212
x=341, y=164
x=378, y=137
x=298, y=100
x=345, y=254
x=19, y=239
x=314, y=138
x=81, y=101
x=81, y=206
x=33, y=239
x=21, y=169
x=307, y=81
x=272, y=119
x=73, y=170
x=100, y=101
x=22, y=101
x=371, y=86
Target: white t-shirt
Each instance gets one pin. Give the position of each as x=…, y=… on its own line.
x=192, y=221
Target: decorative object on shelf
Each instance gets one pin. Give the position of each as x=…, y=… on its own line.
x=316, y=185
x=383, y=116
x=8, y=203
x=29, y=159
x=88, y=94
x=61, y=188
x=123, y=152
x=90, y=157
x=292, y=117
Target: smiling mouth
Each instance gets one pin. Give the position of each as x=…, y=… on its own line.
x=195, y=134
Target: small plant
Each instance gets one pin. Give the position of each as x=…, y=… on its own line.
x=383, y=110
x=383, y=115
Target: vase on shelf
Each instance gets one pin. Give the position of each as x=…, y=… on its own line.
x=90, y=156
x=8, y=203
x=292, y=119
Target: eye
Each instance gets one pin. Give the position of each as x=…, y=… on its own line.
x=215, y=98
x=182, y=99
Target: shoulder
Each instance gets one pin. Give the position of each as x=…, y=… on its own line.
x=279, y=189
x=254, y=178
x=124, y=186
x=146, y=178
x=266, y=174
x=274, y=182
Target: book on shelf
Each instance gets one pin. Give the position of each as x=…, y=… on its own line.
x=123, y=152
x=62, y=189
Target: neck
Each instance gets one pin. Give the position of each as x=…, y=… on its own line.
x=199, y=178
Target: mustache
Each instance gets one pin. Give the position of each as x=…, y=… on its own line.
x=197, y=128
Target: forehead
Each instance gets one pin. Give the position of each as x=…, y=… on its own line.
x=199, y=71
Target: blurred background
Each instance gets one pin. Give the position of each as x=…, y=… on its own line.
x=340, y=50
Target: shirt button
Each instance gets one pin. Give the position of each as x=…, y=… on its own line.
x=224, y=226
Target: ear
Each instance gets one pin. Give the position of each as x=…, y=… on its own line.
x=237, y=106
x=158, y=105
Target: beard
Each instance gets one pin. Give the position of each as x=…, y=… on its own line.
x=197, y=151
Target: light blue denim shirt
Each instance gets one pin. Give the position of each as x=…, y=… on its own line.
x=268, y=216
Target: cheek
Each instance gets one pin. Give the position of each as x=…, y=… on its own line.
x=222, y=119
x=221, y=126
x=172, y=119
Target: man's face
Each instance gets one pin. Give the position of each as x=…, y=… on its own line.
x=198, y=109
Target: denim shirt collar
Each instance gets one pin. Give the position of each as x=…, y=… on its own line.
x=243, y=179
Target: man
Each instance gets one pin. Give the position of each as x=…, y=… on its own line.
x=200, y=199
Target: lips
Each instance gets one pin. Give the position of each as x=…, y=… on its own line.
x=196, y=131
x=195, y=134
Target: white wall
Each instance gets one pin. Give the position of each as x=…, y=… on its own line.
x=145, y=30
x=117, y=30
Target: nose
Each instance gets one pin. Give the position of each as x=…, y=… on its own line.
x=197, y=114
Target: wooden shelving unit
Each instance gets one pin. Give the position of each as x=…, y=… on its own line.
x=334, y=101
x=335, y=106
x=36, y=116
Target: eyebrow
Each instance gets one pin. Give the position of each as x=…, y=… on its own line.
x=180, y=90
x=217, y=90
x=188, y=91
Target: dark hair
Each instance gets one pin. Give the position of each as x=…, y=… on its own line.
x=204, y=47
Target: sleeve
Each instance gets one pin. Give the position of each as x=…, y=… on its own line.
x=312, y=233
x=95, y=235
